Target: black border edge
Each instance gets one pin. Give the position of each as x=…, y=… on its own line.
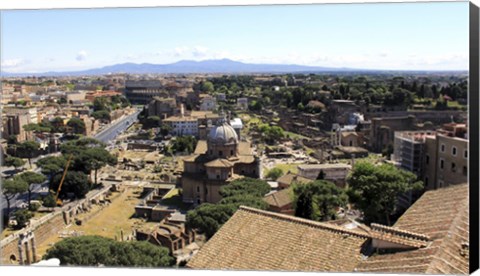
x=473, y=118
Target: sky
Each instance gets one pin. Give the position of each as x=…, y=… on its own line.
x=401, y=36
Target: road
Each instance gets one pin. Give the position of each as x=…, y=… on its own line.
x=106, y=135
x=117, y=127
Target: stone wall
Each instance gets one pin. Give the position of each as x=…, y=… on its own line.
x=50, y=225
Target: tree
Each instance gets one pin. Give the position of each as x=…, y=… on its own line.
x=15, y=162
x=12, y=140
x=12, y=187
x=210, y=217
x=31, y=178
x=375, y=189
x=76, y=125
x=207, y=86
x=28, y=149
x=103, y=115
x=36, y=128
x=274, y=173
x=94, y=159
x=184, y=143
x=51, y=165
x=165, y=129
x=243, y=186
x=49, y=201
x=100, y=103
x=96, y=251
x=75, y=182
x=318, y=200
x=22, y=216
x=245, y=200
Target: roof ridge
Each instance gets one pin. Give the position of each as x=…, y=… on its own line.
x=398, y=231
x=311, y=223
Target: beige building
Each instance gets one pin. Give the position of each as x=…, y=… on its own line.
x=337, y=173
x=446, y=157
x=216, y=162
x=383, y=129
x=162, y=107
x=14, y=121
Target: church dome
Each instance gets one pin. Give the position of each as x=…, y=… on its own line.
x=223, y=134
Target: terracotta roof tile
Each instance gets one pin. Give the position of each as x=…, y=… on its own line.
x=259, y=240
x=280, y=198
x=442, y=215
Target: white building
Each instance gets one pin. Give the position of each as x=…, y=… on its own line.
x=208, y=103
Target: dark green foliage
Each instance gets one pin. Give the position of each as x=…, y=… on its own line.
x=12, y=140
x=75, y=182
x=246, y=200
x=274, y=173
x=49, y=201
x=96, y=251
x=52, y=165
x=375, y=189
x=31, y=178
x=12, y=187
x=318, y=200
x=245, y=186
x=92, y=159
x=165, y=129
x=22, y=216
x=152, y=121
x=100, y=103
x=76, y=126
x=184, y=144
x=103, y=115
x=271, y=134
x=36, y=128
x=210, y=217
x=34, y=206
x=14, y=162
x=28, y=149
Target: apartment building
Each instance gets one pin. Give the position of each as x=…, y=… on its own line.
x=439, y=158
x=446, y=157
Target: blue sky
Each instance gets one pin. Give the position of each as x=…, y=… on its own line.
x=410, y=36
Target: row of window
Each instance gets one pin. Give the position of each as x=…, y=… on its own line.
x=453, y=167
x=454, y=150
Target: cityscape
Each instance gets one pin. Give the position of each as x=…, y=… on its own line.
x=154, y=143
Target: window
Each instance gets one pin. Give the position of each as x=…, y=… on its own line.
x=465, y=154
x=218, y=176
x=441, y=163
x=454, y=151
x=206, y=191
x=220, y=153
x=442, y=148
x=231, y=152
x=198, y=189
x=454, y=167
x=427, y=159
x=426, y=181
x=465, y=170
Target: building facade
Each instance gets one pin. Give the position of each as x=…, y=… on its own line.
x=216, y=162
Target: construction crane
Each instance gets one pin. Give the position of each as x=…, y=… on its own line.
x=57, y=200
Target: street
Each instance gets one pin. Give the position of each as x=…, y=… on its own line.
x=117, y=127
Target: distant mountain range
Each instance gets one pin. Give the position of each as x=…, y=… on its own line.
x=226, y=66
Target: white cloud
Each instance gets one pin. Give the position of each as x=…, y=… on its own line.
x=11, y=63
x=82, y=55
x=200, y=51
